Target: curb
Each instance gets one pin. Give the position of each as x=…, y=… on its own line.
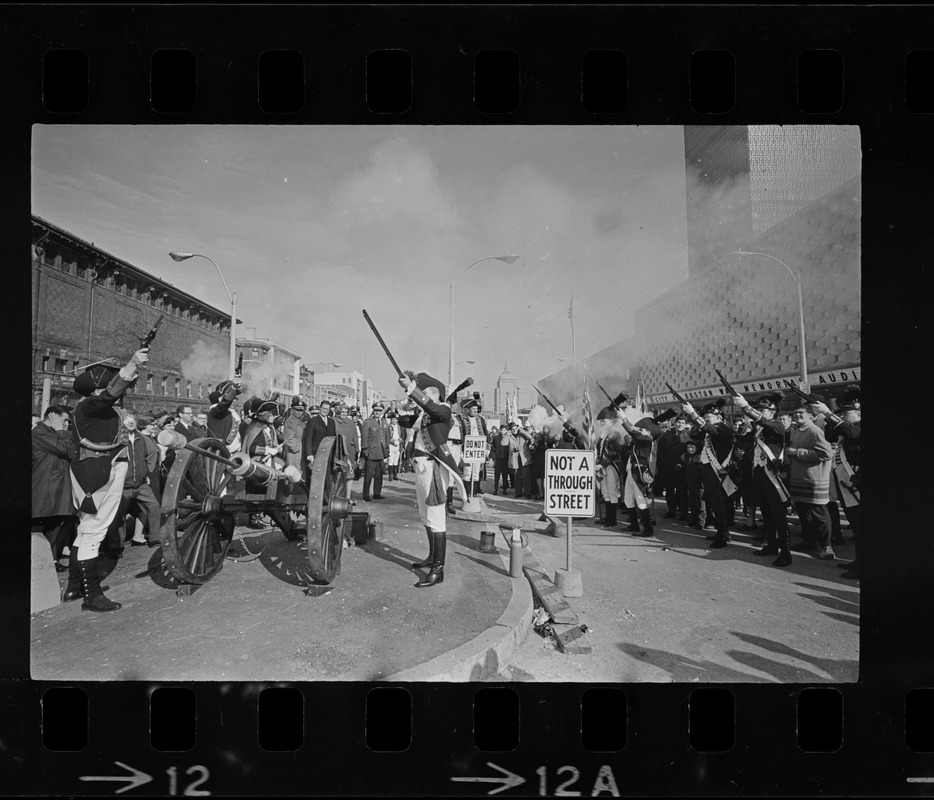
x=487, y=653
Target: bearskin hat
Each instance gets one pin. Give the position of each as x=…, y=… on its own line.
x=714, y=408
x=621, y=398
x=96, y=377
x=769, y=401
x=850, y=400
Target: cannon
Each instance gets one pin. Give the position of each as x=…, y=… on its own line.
x=207, y=486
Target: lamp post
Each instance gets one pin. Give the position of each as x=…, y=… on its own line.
x=179, y=255
x=802, y=352
x=508, y=258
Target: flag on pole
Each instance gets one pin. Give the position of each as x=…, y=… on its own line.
x=587, y=417
x=515, y=407
x=640, y=402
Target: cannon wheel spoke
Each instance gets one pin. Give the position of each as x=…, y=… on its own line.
x=195, y=541
x=324, y=520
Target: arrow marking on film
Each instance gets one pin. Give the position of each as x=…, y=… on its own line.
x=509, y=779
x=136, y=779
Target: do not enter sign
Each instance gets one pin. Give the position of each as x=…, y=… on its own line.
x=570, y=482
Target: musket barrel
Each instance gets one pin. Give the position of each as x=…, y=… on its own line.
x=380, y=339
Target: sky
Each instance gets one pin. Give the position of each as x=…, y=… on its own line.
x=312, y=224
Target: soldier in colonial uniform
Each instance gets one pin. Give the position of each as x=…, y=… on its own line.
x=473, y=425
x=260, y=441
x=98, y=474
x=435, y=466
x=843, y=433
x=609, y=464
x=640, y=469
x=223, y=419
x=716, y=452
x=770, y=492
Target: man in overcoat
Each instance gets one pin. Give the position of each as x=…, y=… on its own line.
x=53, y=506
x=375, y=450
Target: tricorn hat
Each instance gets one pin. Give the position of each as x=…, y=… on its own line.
x=424, y=381
x=769, y=400
x=667, y=414
x=258, y=406
x=649, y=426
x=473, y=402
x=714, y=408
x=850, y=399
x=96, y=377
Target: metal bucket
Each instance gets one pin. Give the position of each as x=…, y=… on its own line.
x=487, y=541
x=375, y=530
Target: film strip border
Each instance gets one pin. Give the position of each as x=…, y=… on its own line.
x=560, y=67
x=470, y=64
x=611, y=740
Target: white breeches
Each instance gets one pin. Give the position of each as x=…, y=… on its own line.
x=609, y=486
x=92, y=528
x=433, y=517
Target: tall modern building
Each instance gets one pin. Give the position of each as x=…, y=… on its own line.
x=505, y=389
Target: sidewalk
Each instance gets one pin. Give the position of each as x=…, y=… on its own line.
x=256, y=621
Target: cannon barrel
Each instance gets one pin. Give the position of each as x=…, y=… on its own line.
x=241, y=466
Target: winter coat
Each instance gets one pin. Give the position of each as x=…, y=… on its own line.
x=52, y=453
x=809, y=467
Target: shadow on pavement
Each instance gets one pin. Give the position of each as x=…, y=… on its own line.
x=683, y=669
x=391, y=554
x=837, y=669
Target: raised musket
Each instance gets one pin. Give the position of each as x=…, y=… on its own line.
x=726, y=384
x=676, y=396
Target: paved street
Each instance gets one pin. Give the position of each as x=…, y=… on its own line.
x=668, y=609
x=255, y=621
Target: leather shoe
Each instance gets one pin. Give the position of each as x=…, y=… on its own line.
x=377, y=497
x=766, y=551
x=717, y=543
x=783, y=560
x=366, y=499
x=827, y=554
x=134, y=543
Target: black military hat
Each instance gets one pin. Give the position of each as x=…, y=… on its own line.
x=425, y=381
x=94, y=378
x=378, y=406
x=297, y=402
x=608, y=412
x=850, y=400
x=769, y=401
x=714, y=408
x=473, y=402
x=259, y=406
x=667, y=414
x=649, y=426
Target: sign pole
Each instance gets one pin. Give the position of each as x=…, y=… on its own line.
x=568, y=530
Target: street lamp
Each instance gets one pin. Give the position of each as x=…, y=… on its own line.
x=179, y=255
x=466, y=361
x=802, y=352
x=508, y=258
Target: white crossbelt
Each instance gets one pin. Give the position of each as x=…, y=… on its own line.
x=763, y=457
x=709, y=456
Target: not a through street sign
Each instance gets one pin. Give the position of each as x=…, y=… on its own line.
x=570, y=482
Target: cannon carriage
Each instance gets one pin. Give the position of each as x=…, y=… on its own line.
x=207, y=486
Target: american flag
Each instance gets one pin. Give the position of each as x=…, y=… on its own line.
x=640, y=402
x=587, y=419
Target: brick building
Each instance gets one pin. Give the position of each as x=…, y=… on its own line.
x=89, y=306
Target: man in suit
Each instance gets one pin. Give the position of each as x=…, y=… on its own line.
x=318, y=428
x=53, y=506
x=375, y=440
x=185, y=425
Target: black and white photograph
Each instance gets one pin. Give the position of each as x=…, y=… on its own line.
x=441, y=403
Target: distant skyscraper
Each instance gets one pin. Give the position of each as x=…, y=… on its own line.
x=505, y=388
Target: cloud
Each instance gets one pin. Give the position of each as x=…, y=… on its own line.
x=400, y=181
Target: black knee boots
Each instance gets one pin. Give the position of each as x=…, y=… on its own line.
x=431, y=552
x=648, y=523
x=609, y=518
x=784, y=545
x=74, y=590
x=436, y=575
x=94, y=599
x=771, y=541
x=449, y=506
x=633, y=518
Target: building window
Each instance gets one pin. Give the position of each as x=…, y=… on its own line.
x=61, y=364
x=178, y=387
x=45, y=363
x=149, y=383
x=163, y=386
x=255, y=355
x=201, y=391
x=188, y=390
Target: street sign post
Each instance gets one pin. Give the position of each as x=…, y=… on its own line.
x=474, y=453
x=570, y=492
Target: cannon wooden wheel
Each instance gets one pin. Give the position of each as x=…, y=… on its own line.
x=196, y=531
x=328, y=506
